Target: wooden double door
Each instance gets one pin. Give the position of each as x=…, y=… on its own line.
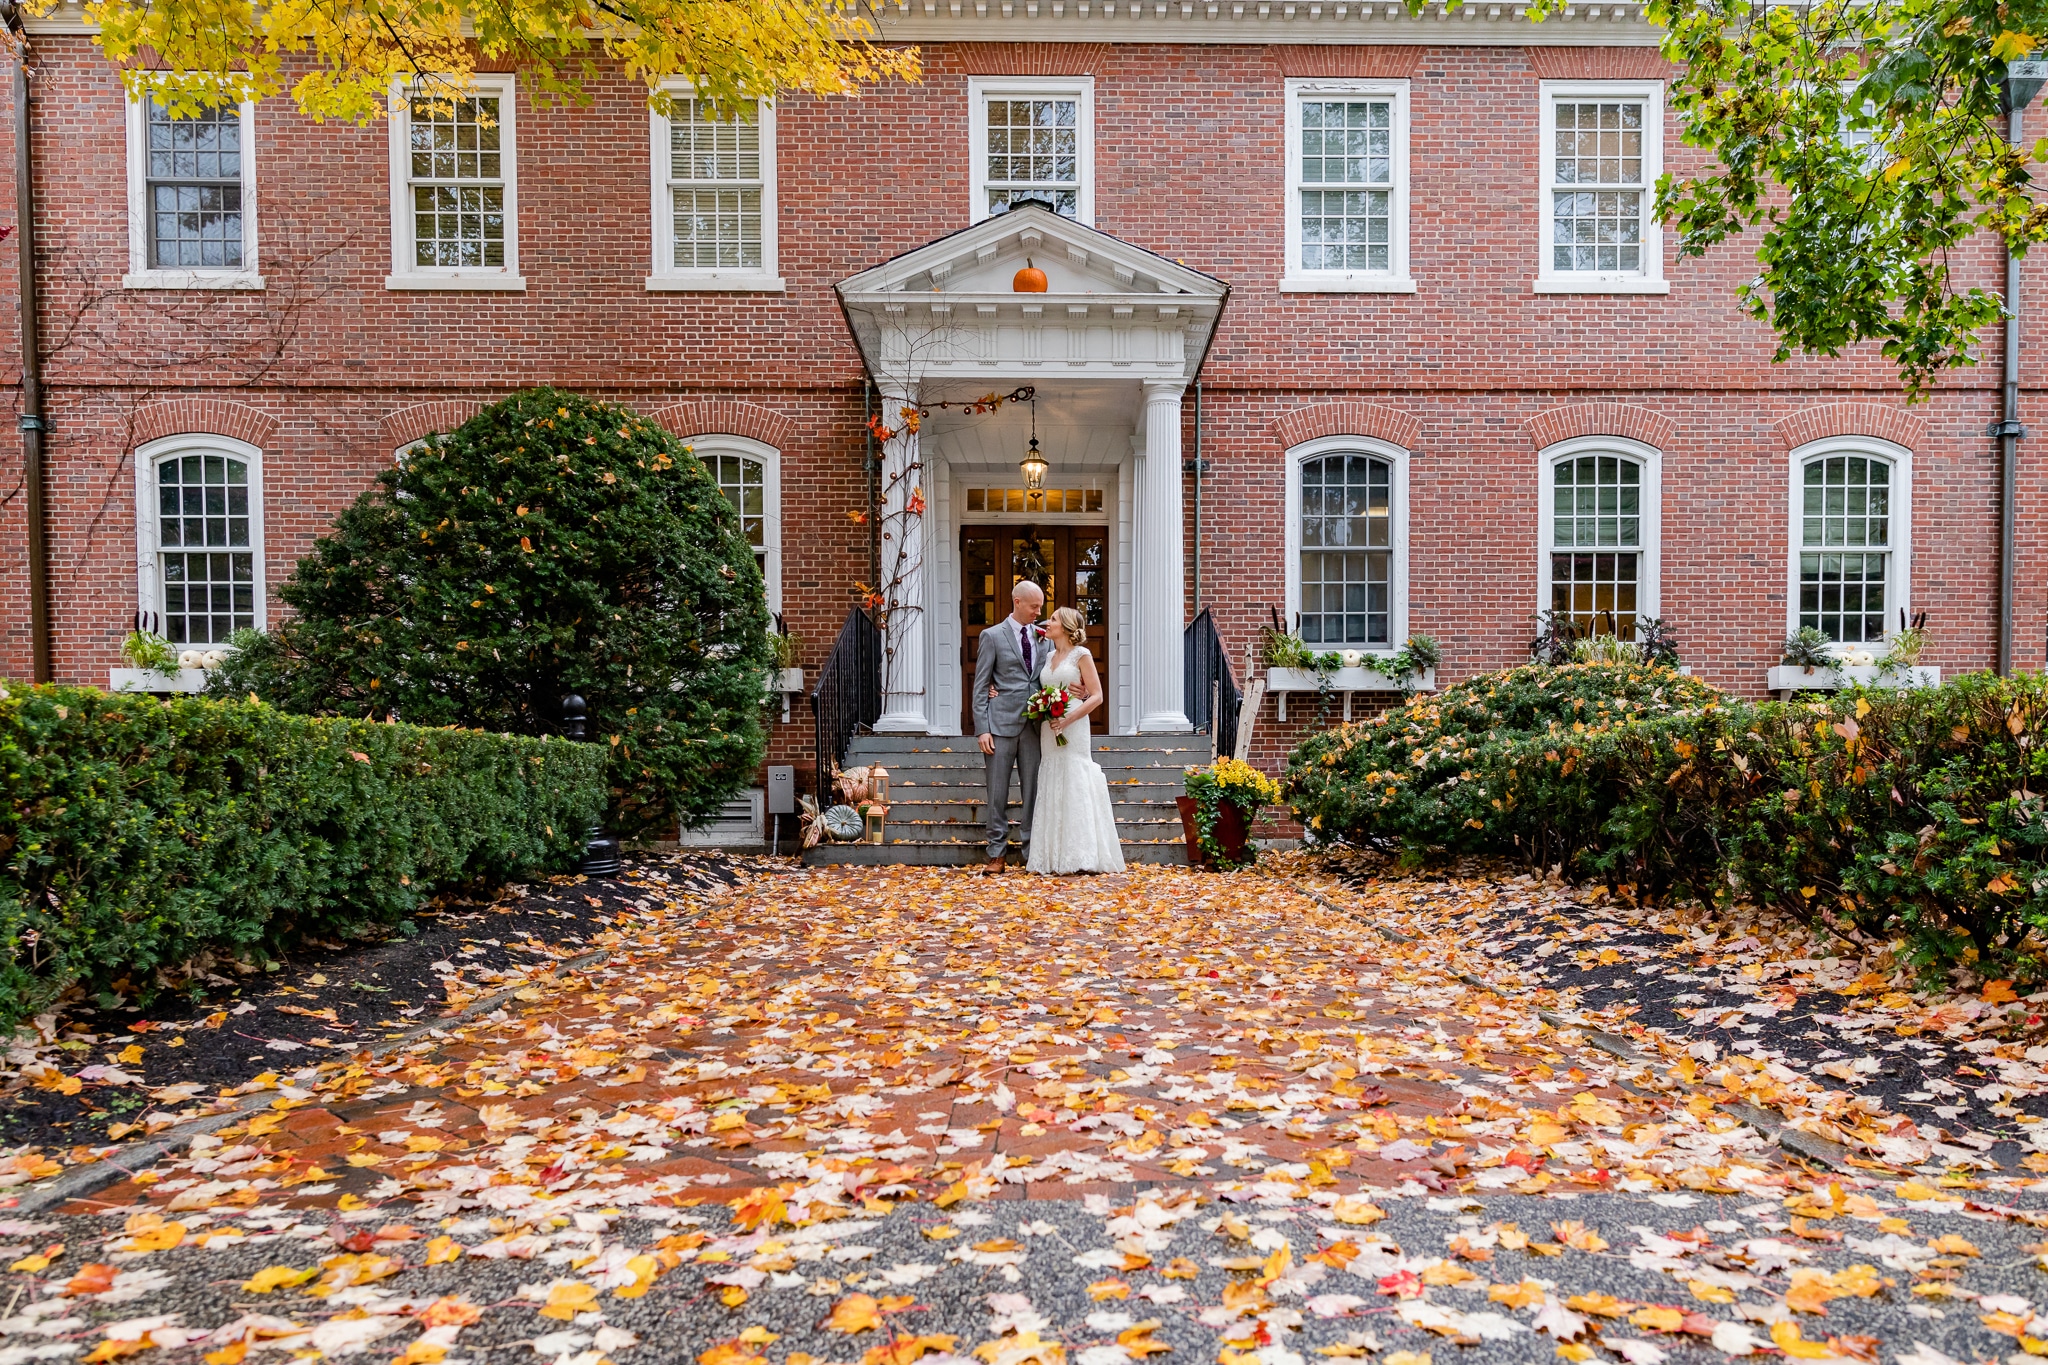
x=1071, y=563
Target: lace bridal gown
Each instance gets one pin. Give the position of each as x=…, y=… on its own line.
x=1073, y=828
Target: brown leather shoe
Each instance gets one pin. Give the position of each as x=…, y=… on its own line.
x=992, y=865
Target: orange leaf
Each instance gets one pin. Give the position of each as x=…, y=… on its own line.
x=855, y=1313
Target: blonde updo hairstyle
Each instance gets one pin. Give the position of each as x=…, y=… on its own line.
x=1072, y=622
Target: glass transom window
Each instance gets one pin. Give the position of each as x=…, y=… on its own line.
x=205, y=553
x=1347, y=543
x=1347, y=179
x=715, y=188
x=194, y=188
x=458, y=182
x=1845, y=547
x=1596, y=544
x=745, y=485
x=1598, y=187
x=1034, y=152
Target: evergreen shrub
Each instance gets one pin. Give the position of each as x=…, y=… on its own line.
x=1917, y=814
x=549, y=545
x=138, y=836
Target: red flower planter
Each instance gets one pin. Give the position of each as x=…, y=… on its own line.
x=1232, y=830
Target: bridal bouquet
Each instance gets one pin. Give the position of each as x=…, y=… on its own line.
x=1049, y=703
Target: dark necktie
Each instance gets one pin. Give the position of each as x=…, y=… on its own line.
x=1024, y=634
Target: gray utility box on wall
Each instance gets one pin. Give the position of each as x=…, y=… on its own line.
x=781, y=789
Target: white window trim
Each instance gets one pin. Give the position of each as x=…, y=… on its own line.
x=722, y=443
x=141, y=274
x=1898, y=585
x=404, y=274
x=665, y=276
x=1396, y=279
x=148, y=589
x=1397, y=490
x=1650, y=583
x=1650, y=279
x=1081, y=89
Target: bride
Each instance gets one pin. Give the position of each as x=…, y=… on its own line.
x=1073, y=827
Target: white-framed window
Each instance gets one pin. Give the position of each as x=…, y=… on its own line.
x=749, y=473
x=1347, y=543
x=1603, y=148
x=1599, y=533
x=199, y=537
x=714, y=199
x=1347, y=187
x=1852, y=538
x=1033, y=138
x=191, y=198
x=455, y=186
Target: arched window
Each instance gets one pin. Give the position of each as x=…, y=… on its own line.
x=749, y=473
x=1347, y=543
x=199, y=523
x=1850, y=517
x=1599, y=535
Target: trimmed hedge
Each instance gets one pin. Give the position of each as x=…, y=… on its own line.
x=139, y=834
x=1917, y=814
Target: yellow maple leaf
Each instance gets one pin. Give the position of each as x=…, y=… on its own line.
x=565, y=1301
x=1709, y=1293
x=1578, y=1236
x=278, y=1277
x=855, y=1313
x=1657, y=1319
x=732, y=1353
x=1809, y=1295
x=1356, y=1211
x=1948, y=1244
x=442, y=1250
x=2010, y=46
x=1786, y=1335
x=157, y=1239
x=1137, y=1339
x=757, y=1208
x=645, y=1271
x=1598, y=1305
x=1527, y=1294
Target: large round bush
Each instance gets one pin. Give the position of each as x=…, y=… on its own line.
x=550, y=545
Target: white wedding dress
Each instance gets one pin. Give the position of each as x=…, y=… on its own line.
x=1073, y=828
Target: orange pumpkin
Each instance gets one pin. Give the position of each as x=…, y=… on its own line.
x=1029, y=280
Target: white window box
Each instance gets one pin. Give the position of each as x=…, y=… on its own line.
x=154, y=680
x=785, y=680
x=1281, y=681
x=1792, y=678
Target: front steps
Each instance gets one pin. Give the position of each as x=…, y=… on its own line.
x=938, y=796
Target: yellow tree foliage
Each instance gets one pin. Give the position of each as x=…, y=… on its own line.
x=345, y=59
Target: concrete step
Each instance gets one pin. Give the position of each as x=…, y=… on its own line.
x=963, y=855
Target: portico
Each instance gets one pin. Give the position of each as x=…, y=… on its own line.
x=1110, y=348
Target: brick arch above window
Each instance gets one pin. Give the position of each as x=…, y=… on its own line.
x=1574, y=420
x=727, y=417
x=1850, y=419
x=407, y=425
x=1573, y=63
x=1339, y=61
x=211, y=416
x=1391, y=425
x=1029, y=59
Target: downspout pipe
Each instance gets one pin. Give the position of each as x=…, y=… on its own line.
x=2022, y=82
x=32, y=422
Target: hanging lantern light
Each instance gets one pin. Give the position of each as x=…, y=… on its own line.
x=1034, y=464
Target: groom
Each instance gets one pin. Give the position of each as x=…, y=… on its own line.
x=1006, y=665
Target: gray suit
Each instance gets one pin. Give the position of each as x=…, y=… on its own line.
x=999, y=661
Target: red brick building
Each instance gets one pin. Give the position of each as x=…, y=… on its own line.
x=1394, y=279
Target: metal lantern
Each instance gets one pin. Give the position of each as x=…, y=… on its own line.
x=876, y=818
x=1034, y=465
x=878, y=785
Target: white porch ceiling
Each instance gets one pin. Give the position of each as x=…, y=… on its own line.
x=1082, y=428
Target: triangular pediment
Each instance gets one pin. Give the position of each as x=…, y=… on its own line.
x=951, y=307
x=1077, y=260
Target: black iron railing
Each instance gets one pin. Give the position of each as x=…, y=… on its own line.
x=1210, y=691
x=848, y=697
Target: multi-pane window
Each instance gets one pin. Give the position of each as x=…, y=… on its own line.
x=716, y=189
x=1347, y=551
x=1599, y=181
x=1596, y=550
x=1845, y=546
x=745, y=485
x=206, y=548
x=1034, y=152
x=193, y=188
x=457, y=181
x=1347, y=184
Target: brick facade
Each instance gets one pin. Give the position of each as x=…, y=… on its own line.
x=328, y=372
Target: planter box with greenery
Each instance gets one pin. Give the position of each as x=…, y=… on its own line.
x=1281, y=681
x=1295, y=666
x=1838, y=677
x=145, y=841
x=156, y=680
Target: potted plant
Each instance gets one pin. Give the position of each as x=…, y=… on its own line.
x=1808, y=648
x=1217, y=812
x=157, y=665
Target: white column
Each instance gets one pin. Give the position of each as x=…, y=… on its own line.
x=1162, y=602
x=905, y=709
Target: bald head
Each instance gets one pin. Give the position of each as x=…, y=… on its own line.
x=1026, y=600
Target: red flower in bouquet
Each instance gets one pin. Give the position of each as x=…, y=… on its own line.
x=1049, y=703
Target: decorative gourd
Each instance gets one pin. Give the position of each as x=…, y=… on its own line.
x=1029, y=280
